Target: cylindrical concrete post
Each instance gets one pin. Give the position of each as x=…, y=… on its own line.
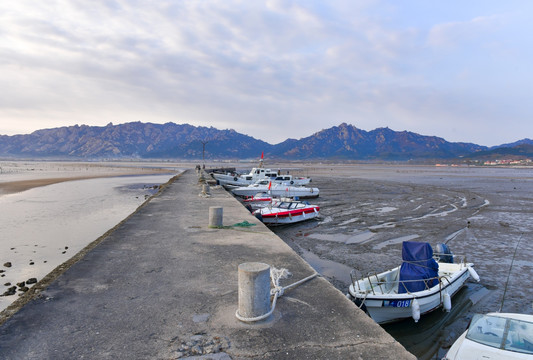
x=215, y=216
x=205, y=188
x=254, y=289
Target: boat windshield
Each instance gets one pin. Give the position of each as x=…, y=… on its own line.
x=502, y=333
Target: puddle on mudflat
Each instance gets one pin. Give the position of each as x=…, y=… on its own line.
x=395, y=241
x=330, y=269
x=357, y=238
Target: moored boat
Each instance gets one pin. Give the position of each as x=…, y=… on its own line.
x=276, y=190
x=286, y=212
x=495, y=336
x=257, y=201
x=420, y=285
x=257, y=174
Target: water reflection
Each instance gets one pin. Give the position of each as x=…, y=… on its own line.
x=43, y=227
x=435, y=332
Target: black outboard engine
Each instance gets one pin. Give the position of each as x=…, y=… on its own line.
x=444, y=253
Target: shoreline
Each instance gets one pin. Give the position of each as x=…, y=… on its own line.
x=44, y=282
x=76, y=212
x=16, y=186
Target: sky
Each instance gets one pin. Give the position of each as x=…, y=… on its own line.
x=460, y=70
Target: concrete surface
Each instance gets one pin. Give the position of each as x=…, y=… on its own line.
x=163, y=285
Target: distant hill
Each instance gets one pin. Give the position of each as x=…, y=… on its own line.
x=347, y=142
x=136, y=139
x=514, y=144
x=523, y=150
x=175, y=141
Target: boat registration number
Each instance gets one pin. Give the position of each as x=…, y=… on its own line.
x=397, y=303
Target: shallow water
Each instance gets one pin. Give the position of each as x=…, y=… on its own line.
x=42, y=227
x=482, y=213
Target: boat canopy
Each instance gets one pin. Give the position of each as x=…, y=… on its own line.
x=418, y=265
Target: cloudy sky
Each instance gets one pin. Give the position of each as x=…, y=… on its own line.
x=461, y=70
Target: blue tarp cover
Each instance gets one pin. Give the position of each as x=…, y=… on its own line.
x=418, y=264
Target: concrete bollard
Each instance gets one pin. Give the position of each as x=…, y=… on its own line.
x=201, y=179
x=205, y=189
x=254, y=289
x=215, y=216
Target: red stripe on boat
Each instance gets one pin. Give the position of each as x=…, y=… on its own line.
x=292, y=213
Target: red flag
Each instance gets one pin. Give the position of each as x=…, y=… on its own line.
x=261, y=154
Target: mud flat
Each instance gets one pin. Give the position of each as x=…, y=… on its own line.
x=368, y=210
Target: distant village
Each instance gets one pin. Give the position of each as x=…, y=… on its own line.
x=512, y=162
x=497, y=162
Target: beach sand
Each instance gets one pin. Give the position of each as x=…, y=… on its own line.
x=20, y=176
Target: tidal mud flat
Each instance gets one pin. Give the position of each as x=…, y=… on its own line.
x=367, y=211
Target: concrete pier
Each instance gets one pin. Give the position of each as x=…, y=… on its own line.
x=164, y=285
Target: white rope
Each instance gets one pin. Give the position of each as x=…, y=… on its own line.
x=275, y=276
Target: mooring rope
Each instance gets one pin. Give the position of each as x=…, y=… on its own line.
x=275, y=276
x=509, y=274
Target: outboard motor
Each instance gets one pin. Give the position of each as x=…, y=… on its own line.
x=444, y=253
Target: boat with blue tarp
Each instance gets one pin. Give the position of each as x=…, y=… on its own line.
x=425, y=281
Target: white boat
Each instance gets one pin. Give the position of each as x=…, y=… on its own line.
x=420, y=285
x=495, y=336
x=276, y=190
x=257, y=201
x=286, y=212
x=236, y=179
x=256, y=174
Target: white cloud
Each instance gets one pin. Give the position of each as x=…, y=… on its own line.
x=257, y=67
x=456, y=34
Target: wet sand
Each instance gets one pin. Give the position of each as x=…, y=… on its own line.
x=21, y=176
x=47, y=221
x=368, y=210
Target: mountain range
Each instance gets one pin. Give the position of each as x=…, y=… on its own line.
x=183, y=141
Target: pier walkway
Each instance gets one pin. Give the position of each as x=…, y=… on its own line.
x=162, y=285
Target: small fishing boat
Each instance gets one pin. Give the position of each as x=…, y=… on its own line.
x=421, y=284
x=257, y=201
x=495, y=336
x=276, y=190
x=286, y=212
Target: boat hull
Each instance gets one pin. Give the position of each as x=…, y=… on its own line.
x=258, y=201
x=225, y=180
x=288, y=217
x=278, y=191
x=386, y=308
x=257, y=175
